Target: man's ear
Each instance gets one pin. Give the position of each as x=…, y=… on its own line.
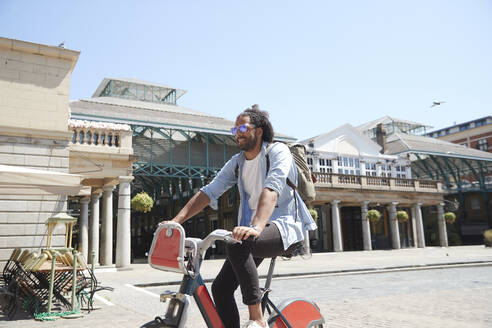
x=259, y=132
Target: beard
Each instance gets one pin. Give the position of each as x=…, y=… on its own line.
x=249, y=143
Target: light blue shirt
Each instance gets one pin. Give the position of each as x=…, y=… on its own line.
x=282, y=166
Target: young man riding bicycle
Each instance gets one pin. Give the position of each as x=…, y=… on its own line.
x=268, y=224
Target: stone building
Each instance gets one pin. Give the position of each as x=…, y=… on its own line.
x=34, y=95
x=476, y=134
x=388, y=164
x=355, y=175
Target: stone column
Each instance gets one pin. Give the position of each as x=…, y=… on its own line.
x=94, y=229
x=107, y=227
x=337, y=227
x=420, y=226
x=366, y=229
x=84, y=227
x=123, y=231
x=395, y=232
x=414, y=226
x=443, y=234
x=324, y=219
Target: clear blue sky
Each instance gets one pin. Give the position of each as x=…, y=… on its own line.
x=314, y=65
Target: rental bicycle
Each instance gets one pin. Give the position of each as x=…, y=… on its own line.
x=172, y=251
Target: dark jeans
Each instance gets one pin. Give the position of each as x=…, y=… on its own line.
x=240, y=268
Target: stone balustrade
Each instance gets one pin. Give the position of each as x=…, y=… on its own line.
x=96, y=137
x=100, y=137
x=335, y=180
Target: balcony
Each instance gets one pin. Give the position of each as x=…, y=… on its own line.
x=100, y=150
x=100, y=137
x=333, y=180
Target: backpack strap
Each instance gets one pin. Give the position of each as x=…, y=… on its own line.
x=289, y=183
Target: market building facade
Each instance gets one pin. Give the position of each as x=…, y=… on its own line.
x=132, y=136
x=354, y=175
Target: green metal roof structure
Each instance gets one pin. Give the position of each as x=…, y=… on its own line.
x=459, y=167
x=177, y=148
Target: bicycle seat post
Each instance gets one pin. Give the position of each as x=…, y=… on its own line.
x=270, y=273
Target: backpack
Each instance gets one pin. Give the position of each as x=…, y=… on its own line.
x=305, y=178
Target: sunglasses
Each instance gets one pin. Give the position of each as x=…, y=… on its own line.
x=242, y=128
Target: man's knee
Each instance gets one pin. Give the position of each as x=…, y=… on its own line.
x=220, y=289
x=234, y=249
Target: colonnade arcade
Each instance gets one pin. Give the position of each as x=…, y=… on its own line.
x=331, y=221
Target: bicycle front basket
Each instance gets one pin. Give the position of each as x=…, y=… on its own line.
x=167, y=249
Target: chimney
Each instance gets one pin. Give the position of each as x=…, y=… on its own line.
x=381, y=137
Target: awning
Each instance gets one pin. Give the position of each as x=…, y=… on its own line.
x=18, y=180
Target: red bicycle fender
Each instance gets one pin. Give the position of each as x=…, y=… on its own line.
x=299, y=313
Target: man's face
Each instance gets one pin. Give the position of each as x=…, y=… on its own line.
x=249, y=139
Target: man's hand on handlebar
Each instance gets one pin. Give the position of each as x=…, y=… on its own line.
x=243, y=233
x=168, y=220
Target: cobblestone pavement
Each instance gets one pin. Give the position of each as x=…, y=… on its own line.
x=456, y=297
x=412, y=296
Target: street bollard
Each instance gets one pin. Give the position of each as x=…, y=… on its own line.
x=74, y=278
x=93, y=256
x=52, y=278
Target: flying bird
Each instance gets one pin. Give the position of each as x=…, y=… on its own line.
x=437, y=103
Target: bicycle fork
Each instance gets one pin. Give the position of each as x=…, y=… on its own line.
x=176, y=313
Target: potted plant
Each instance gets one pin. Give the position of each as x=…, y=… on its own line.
x=487, y=238
x=142, y=202
x=373, y=216
x=402, y=216
x=314, y=214
x=450, y=217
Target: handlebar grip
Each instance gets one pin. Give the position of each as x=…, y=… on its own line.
x=229, y=238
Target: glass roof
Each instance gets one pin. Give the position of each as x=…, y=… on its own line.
x=139, y=90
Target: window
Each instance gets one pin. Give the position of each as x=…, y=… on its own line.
x=475, y=204
x=325, y=165
x=482, y=144
x=371, y=169
x=230, y=198
x=386, y=170
x=348, y=165
x=310, y=163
